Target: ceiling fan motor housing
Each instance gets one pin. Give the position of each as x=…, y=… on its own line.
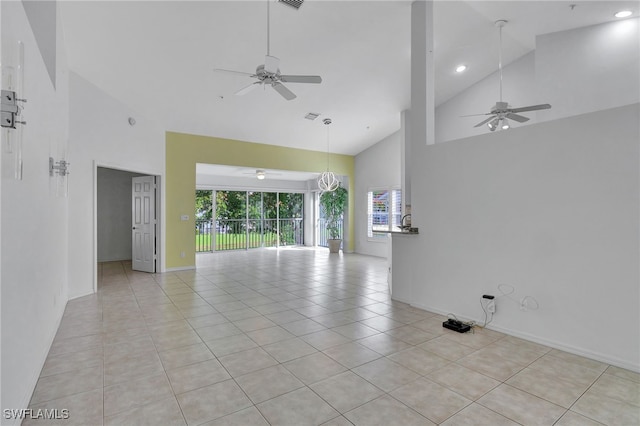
x=500, y=107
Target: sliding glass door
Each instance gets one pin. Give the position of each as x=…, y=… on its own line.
x=249, y=219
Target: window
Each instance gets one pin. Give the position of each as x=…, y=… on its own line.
x=384, y=211
x=248, y=219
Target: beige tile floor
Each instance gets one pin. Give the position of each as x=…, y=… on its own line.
x=299, y=337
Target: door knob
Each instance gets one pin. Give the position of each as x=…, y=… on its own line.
x=134, y=227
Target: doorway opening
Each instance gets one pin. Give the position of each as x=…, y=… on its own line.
x=115, y=217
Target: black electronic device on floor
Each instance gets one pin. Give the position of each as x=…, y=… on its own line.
x=455, y=325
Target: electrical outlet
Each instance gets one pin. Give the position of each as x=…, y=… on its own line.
x=489, y=303
x=182, y=254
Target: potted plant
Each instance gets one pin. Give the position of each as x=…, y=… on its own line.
x=334, y=203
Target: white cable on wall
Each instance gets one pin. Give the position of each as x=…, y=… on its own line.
x=525, y=304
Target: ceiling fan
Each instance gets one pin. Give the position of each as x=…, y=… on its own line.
x=268, y=74
x=501, y=112
x=261, y=174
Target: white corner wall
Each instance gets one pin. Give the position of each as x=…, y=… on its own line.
x=550, y=209
x=375, y=168
x=100, y=135
x=34, y=221
x=114, y=214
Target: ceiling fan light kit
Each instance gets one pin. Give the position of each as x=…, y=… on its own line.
x=268, y=74
x=501, y=111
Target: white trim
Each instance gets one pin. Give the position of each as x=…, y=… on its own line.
x=536, y=339
x=33, y=380
x=81, y=295
x=160, y=266
x=94, y=215
x=243, y=188
x=180, y=268
x=389, y=189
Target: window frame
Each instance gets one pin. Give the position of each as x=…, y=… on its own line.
x=380, y=236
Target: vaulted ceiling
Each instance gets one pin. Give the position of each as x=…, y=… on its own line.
x=158, y=57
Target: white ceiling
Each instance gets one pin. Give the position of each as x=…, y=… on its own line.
x=158, y=57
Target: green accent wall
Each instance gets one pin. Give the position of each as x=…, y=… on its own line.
x=185, y=150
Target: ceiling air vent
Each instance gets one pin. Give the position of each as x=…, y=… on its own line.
x=311, y=115
x=293, y=3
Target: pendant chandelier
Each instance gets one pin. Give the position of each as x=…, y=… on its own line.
x=327, y=182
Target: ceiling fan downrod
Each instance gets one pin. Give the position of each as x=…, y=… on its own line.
x=268, y=31
x=500, y=24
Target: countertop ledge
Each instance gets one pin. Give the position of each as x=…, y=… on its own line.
x=410, y=231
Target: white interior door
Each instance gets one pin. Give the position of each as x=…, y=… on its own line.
x=143, y=212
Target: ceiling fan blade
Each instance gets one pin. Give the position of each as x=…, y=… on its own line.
x=271, y=64
x=314, y=79
x=248, y=88
x=477, y=115
x=530, y=108
x=231, y=71
x=516, y=117
x=485, y=121
x=286, y=93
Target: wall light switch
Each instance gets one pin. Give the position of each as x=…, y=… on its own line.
x=184, y=217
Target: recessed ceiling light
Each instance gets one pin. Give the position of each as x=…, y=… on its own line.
x=623, y=14
x=461, y=68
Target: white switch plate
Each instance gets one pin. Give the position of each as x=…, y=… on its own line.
x=184, y=217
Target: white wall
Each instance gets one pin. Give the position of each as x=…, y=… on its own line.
x=551, y=209
x=578, y=71
x=34, y=221
x=377, y=167
x=589, y=69
x=114, y=214
x=100, y=135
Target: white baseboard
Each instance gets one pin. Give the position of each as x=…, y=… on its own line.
x=607, y=359
x=180, y=268
x=33, y=379
x=81, y=295
x=399, y=299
